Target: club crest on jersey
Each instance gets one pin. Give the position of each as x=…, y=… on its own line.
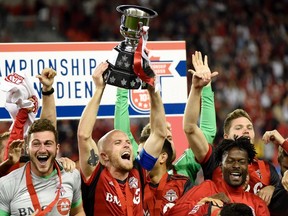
x=258, y=173
x=133, y=182
x=171, y=195
x=140, y=101
x=63, y=206
x=14, y=78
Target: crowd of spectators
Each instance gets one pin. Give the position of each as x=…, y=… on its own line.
x=246, y=42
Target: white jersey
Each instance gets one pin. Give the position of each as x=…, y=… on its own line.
x=15, y=198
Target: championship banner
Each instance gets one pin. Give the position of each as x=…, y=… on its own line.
x=75, y=63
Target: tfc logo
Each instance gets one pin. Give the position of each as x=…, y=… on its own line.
x=14, y=78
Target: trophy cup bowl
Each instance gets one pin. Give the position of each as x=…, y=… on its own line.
x=120, y=71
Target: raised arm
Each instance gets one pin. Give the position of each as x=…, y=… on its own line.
x=48, y=102
x=88, y=151
x=186, y=164
x=276, y=138
x=201, y=77
x=154, y=143
x=122, y=120
x=207, y=114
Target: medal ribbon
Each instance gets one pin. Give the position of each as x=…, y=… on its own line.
x=33, y=194
x=139, y=53
x=126, y=201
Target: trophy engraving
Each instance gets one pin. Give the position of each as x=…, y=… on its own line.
x=120, y=71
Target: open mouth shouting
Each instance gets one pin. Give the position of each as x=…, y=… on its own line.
x=236, y=177
x=42, y=159
x=126, y=155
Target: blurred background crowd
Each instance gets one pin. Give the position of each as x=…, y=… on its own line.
x=246, y=42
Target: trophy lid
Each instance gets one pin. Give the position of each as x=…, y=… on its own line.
x=136, y=11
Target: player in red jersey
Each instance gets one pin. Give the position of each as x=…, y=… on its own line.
x=162, y=190
x=263, y=176
x=233, y=156
x=113, y=181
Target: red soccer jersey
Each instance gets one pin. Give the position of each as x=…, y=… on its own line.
x=207, y=188
x=158, y=199
x=261, y=173
x=102, y=193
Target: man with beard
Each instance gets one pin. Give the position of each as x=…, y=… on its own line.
x=233, y=157
x=263, y=176
x=42, y=186
x=112, y=180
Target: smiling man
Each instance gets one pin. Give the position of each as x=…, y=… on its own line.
x=42, y=184
x=263, y=176
x=233, y=157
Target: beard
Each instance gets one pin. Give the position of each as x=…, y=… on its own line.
x=42, y=169
x=121, y=164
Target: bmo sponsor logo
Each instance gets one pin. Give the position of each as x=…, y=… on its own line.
x=114, y=199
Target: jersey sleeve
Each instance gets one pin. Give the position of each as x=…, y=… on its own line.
x=200, y=209
x=187, y=202
x=261, y=209
x=5, y=196
x=208, y=115
x=121, y=116
x=186, y=164
x=77, y=197
x=208, y=164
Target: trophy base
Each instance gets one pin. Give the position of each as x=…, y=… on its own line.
x=120, y=70
x=120, y=78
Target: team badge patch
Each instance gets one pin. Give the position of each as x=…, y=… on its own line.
x=171, y=195
x=133, y=182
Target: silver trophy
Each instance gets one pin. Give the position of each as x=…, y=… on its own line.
x=120, y=71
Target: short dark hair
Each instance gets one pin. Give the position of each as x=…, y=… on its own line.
x=167, y=147
x=234, y=115
x=236, y=209
x=41, y=125
x=243, y=143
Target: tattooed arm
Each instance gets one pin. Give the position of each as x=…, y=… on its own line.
x=88, y=151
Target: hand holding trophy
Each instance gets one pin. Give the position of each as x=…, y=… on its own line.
x=128, y=63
